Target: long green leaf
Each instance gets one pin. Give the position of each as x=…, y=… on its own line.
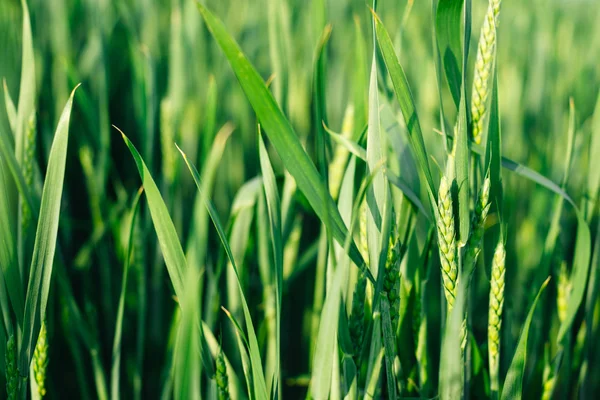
x=407, y=106
x=280, y=132
x=493, y=150
x=163, y=225
x=274, y=210
x=186, y=358
x=260, y=387
x=326, y=343
x=26, y=105
x=461, y=148
x=116, y=352
x=7, y=152
x=451, y=362
x=42, y=261
x=513, y=384
x=593, y=179
x=377, y=193
x=8, y=252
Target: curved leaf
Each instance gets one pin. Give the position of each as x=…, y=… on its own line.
x=513, y=384
x=280, y=133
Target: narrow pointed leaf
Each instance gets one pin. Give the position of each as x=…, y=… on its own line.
x=513, y=384
x=168, y=240
x=116, y=351
x=40, y=273
x=258, y=377
x=274, y=210
x=280, y=132
x=407, y=106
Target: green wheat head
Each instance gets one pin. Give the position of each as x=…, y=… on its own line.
x=12, y=373
x=447, y=242
x=222, y=378
x=40, y=360
x=495, y=308
x=483, y=68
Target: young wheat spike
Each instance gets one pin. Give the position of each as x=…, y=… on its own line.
x=40, y=360
x=28, y=163
x=563, y=289
x=548, y=377
x=221, y=378
x=392, y=260
x=12, y=374
x=482, y=207
x=391, y=281
x=357, y=315
x=483, y=67
x=447, y=242
x=495, y=312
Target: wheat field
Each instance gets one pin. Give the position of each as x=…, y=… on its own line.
x=286, y=199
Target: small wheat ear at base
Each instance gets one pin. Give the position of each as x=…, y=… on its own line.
x=495, y=311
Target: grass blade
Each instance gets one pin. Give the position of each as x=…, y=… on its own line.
x=260, y=387
x=407, y=106
x=26, y=105
x=116, y=353
x=513, y=384
x=163, y=225
x=42, y=260
x=274, y=210
x=186, y=358
x=11, y=111
x=378, y=192
x=280, y=132
x=451, y=370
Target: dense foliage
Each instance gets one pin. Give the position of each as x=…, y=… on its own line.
x=299, y=199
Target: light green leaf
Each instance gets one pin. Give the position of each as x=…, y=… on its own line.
x=274, y=210
x=493, y=150
x=513, y=384
x=11, y=111
x=407, y=106
x=186, y=358
x=26, y=106
x=452, y=361
x=593, y=179
x=8, y=252
x=378, y=192
x=168, y=240
x=40, y=273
